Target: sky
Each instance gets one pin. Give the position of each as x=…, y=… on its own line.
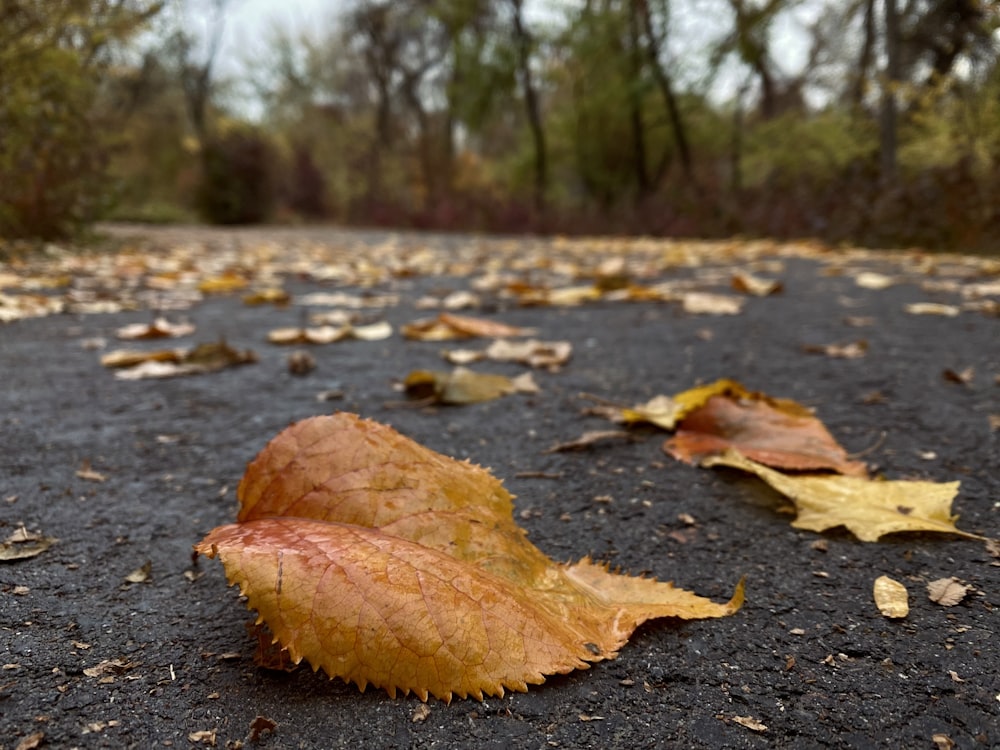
x=249, y=24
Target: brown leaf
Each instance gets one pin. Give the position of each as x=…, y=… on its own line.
x=775, y=432
x=706, y=303
x=947, y=591
x=385, y=563
x=463, y=386
x=587, y=439
x=203, y=358
x=447, y=326
x=160, y=328
x=851, y=350
x=755, y=285
x=868, y=508
x=23, y=544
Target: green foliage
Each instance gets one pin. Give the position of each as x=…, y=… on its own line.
x=55, y=138
x=239, y=180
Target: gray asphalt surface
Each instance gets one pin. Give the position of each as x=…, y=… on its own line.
x=809, y=662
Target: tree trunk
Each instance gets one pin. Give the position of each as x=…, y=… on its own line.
x=523, y=42
x=888, y=123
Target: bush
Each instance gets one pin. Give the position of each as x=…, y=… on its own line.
x=239, y=178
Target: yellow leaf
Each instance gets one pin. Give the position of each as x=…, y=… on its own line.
x=891, y=597
x=869, y=508
x=382, y=562
x=463, y=386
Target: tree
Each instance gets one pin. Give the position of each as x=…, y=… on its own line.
x=55, y=135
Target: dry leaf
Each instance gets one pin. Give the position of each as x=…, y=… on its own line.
x=329, y=334
x=261, y=725
x=534, y=353
x=666, y=411
x=947, y=591
x=588, y=439
x=942, y=741
x=758, y=287
x=383, y=562
x=961, y=377
x=227, y=282
x=161, y=328
x=87, y=472
x=869, y=508
x=891, y=597
x=270, y=296
x=705, y=303
x=776, y=432
x=24, y=544
x=464, y=386
x=932, y=308
x=448, y=326
x=872, y=280
x=32, y=741
x=750, y=723
x=203, y=358
x=852, y=350
x=142, y=574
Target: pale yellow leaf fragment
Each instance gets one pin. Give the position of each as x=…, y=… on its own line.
x=872, y=280
x=750, y=723
x=947, y=591
x=932, y=308
x=706, y=303
x=868, y=508
x=891, y=597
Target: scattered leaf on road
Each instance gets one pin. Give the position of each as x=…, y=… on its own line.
x=869, y=508
x=383, y=562
x=23, y=544
x=891, y=597
x=448, y=326
x=947, y=591
x=161, y=328
x=464, y=386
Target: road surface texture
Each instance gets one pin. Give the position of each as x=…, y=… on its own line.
x=114, y=637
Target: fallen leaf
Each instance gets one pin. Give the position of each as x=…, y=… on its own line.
x=852, y=350
x=205, y=737
x=23, y=544
x=942, y=741
x=891, y=598
x=270, y=296
x=961, y=377
x=161, y=328
x=420, y=713
x=260, y=725
x=548, y=354
x=87, y=472
x=223, y=284
x=301, y=362
x=141, y=574
x=932, y=308
x=31, y=741
x=776, y=432
x=947, y=591
x=203, y=358
x=758, y=287
x=329, y=334
x=750, y=723
x=869, y=508
x=447, y=326
x=706, y=303
x=587, y=439
x=872, y=280
x=463, y=386
x=110, y=667
x=385, y=563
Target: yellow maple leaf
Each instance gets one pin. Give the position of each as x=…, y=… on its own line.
x=385, y=563
x=869, y=508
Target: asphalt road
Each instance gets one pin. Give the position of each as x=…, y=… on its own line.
x=90, y=659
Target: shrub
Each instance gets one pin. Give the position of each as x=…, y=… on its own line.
x=239, y=178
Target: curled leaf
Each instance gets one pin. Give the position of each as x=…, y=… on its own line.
x=383, y=562
x=447, y=326
x=464, y=386
x=776, y=432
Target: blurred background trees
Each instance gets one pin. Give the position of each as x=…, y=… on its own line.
x=867, y=121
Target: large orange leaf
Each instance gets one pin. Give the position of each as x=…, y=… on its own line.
x=385, y=563
x=776, y=432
